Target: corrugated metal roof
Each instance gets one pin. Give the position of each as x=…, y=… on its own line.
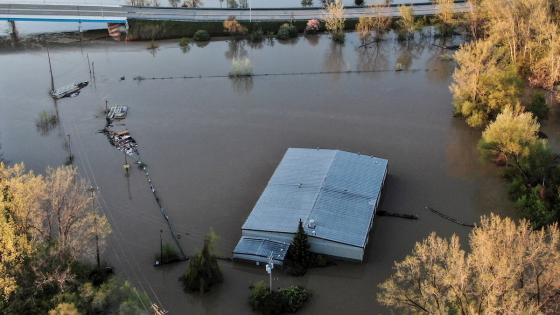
x=336, y=189
x=259, y=249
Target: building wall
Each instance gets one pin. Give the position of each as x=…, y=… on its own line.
x=317, y=245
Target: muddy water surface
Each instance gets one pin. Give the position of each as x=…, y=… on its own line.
x=211, y=145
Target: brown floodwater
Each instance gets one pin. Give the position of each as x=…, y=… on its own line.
x=211, y=144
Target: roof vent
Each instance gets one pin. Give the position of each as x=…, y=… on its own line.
x=312, y=224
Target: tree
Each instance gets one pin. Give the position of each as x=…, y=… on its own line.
x=446, y=16
x=203, y=270
x=334, y=20
x=509, y=269
x=510, y=135
x=407, y=22
x=298, y=256
x=474, y=18
x=482, y=86
x=71, y=220
x=192, y=3
x=233, y=27
x=174, y=3
x=64, y=309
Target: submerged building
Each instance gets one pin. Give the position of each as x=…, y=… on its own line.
x=334, y=193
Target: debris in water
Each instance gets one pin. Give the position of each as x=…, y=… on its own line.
x=117, y=112
x=69, y=90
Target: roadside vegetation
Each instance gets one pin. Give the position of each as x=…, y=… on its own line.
x=500, y=84
x=48, y=228
x=507, y=76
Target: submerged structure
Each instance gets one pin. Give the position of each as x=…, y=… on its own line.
x=334, y=193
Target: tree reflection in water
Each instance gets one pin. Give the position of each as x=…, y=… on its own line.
x=334, y=60
x=236, y=49
x=373, y=57
x=242, y=85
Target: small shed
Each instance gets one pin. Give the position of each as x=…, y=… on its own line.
x=334, y=193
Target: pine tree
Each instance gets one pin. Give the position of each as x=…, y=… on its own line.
x=298, y=256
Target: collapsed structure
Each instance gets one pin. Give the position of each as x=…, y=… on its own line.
x=334, y=193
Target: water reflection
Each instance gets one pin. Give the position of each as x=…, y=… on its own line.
x=242, y=85
x=313, y=39
x=236, y=49
x=334, y=60
x=373, y=57
x=45, y=122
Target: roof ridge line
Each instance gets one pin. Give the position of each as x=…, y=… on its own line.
x=336, y=152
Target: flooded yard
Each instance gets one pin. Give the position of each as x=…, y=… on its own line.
x=212, y=143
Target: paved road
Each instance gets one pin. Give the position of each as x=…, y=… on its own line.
x=83, y=13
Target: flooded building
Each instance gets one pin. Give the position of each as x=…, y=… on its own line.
x=334, y=193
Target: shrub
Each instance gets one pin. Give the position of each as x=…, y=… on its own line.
x=286, y=300
x=538, y=106
x=168, y=254
x=286, y=31
x=256, y=36
x=203, y=271
x=312, y=26
x=232, y=26
x=359, y=2
x=201, y=36
x=184, y=42
x=241, y=68
x=338, y=37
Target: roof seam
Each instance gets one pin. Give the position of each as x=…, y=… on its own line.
x=322, y=184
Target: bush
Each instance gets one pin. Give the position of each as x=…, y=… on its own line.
x=203, y=271
x=359, y=2
x=338, y=37
x=168, y=254
x=232, y=26
x=286, y=31
x=241, y=68
x=538, y=106
x=201, y=36
x=184, y=42
x=256, y=36
x=286, y=300
x=312, y=26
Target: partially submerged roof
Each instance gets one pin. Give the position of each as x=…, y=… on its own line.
x=260, y=249
x=337, y=190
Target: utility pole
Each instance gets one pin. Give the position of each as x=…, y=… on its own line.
x=126, y=166
x=50, y=69
x=269, y=267
x=160, y=247
x=70, y=155
x=92, y=190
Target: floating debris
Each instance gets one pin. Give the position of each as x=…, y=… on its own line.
x=117, y=112
x=448, y=218
x=122, y=140
x=397, y=215
x=69, y=90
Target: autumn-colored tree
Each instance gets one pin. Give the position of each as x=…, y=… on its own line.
x=446, y=16
x=482, y=86
x=334, y=20
x=232, y=26
x=407, y=22
x=71, y=220
x=64, y=309
x=509, y=269
x=510, y=135
x=474, y=18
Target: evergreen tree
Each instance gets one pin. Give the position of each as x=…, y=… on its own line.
x=298, y=256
